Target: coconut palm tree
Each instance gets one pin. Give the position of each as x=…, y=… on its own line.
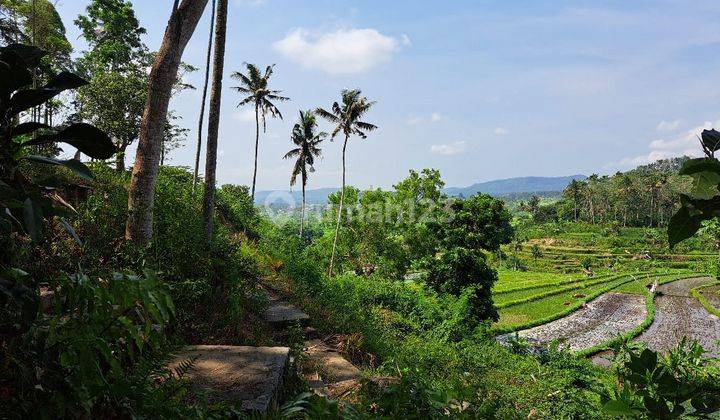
x=214, y=118
x=255, y=86
x=307, y=142
x=204, y=95
x=346, y=117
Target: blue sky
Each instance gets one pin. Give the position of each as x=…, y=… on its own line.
x=477, y=89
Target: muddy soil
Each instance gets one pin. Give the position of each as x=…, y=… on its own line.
x=682, y=287
x=677, y=317
x=712, y=294
x=603, y=319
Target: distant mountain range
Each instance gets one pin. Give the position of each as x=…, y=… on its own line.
x=510, y=188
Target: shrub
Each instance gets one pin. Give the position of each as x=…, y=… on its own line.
x=95, y=349
x=460, y=269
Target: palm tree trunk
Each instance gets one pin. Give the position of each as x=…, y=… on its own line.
x=302, y=212
x=339, y=215
x=257, y=143
x=214, y=118
x=120, y=162
x=182, y=24
x=204, y=98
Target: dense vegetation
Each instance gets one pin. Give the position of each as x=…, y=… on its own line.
x=104, y=273
x=643, y=197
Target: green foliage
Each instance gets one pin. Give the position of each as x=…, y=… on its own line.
x=670, y=386
x=39, y=24
x=459, y=269
x=113, y=33
x=95, y=347
x=479, y=222
x=514, y=263
x=22, y=202
x=235, y=208
x=643, y=197
x=443, y=364
x=701, y=202
x=200, y=276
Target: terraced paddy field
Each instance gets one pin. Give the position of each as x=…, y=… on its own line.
x=586, y=290
x=530, y=305
x=601, y=320
x=678, y=316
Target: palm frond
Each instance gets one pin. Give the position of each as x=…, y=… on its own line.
x=292, y=153
x=329, y=116
x=243, y=79
x=366, y=126
x=246, y=101
x=268, y=71
x=241, y=89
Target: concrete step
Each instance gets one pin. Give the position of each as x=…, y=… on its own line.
x=251, y=376
x=329, y=364
x=281, y=313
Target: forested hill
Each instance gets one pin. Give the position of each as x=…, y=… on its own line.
x=527, y=184
x=516, y=187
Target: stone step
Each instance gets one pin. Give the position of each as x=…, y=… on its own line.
x=330, y=365
x=280, y=312
x=249, y=376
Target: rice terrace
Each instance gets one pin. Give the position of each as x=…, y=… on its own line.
x=633, y=293
x=361, y=210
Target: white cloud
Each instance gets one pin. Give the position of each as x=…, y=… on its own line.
x=686, y=144
x=668, y=125
x=244, y=115
x=448, y=149
x=344, y=51
x=413, y=120
x=433, y=118
x=500, y=131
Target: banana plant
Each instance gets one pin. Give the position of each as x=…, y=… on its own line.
x=701, y=202
x=26, y=203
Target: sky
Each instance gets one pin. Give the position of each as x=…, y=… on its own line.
x=480, y=90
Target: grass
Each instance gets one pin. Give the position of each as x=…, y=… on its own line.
x=527, y=296
x=697, y=294
x=509, y=279
x=568, y=279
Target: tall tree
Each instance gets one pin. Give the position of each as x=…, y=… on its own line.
x=214, y=118
x=116, y=63
x=574, y=193
x=113, y=34
x=183, y=21
x=307, y=142
x=346, y=118
x=204, y=96
x=255, y=86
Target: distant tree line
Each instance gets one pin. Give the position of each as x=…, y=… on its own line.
x=646, y=196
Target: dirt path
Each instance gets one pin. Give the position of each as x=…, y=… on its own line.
x=604, y=318
x=679, y=316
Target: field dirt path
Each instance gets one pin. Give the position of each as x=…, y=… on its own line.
x=601, y=320
x=678, y=316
